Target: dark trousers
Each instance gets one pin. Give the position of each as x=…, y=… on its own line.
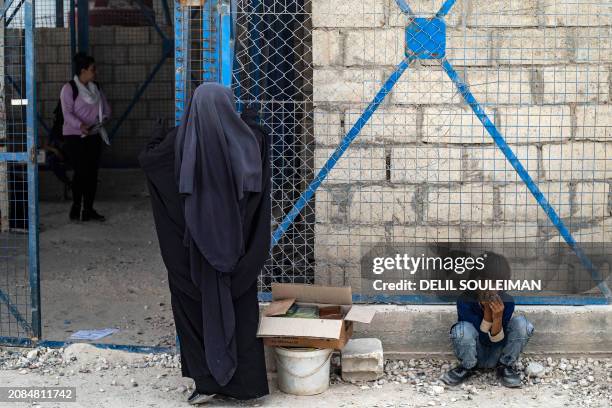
x=84, y=157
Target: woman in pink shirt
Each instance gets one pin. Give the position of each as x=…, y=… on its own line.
x=84, y=116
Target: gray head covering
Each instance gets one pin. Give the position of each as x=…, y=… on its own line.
x=217, y=160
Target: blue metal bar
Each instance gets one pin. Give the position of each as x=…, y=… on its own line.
x=109, y=346
x=464, y=89
x=15, y=341
x=73, y=38
x=22, y=321
x=6, y=7
x=181, y=28
x=256, y=31
x=342, y=147
x=8, y=20
x=137, y=96
x=59, y=13
x=14, y=157
x=32, y=142
x=83, y=25
x=225, y=44
x=166, y=12
x=446, y=8
x=210, y=42
x=403, y=5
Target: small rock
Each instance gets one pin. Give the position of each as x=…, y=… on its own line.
x=583, y=382
x=32, y=354
x=535, y=370
x=437, y=389
x=590, y=378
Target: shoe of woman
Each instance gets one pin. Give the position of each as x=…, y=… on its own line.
x=197, y=399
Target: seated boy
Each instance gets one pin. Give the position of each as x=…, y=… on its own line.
x=486, y=334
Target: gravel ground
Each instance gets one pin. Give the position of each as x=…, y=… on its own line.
x=106, y=378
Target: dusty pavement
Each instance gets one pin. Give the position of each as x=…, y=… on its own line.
x=102, y=275
x=105, y=378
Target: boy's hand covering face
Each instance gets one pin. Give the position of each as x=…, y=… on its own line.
x=497, y=309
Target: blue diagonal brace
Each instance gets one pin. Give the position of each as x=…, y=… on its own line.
x=7, y=6
x=464, y=89
x=15, y=312
x=405, y=7
x=446, y=8
x=342, y=147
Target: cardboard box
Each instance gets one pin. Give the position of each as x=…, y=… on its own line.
x=319, y=333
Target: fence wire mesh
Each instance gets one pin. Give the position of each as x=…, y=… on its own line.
x=424, y=168
x=15, y=290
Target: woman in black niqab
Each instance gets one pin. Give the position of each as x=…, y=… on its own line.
x=210, y=188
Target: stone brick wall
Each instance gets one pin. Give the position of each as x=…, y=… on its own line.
x=124, y=58
x=424, y=169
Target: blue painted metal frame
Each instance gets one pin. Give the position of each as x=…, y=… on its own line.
x=83, y=25
x=500, y=142
x=6, y=7
x=32, y=165
x=181, y=27
x=225, y=43
x=7, y=22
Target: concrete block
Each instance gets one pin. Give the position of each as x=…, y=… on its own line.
x=470, y=202
x=469, y=47
x=341, y=243
x=575, y=84
x=424, y=233
x=331, y=204
x=358, y=164
x=166, y=72
x=117, y=91
x=144, y=54
x=382, y=46
x=333, y=274
x=500, y=86
x=600, y=232
x=163, y=108
x=592, y=45
x=576, y=13
x=420, y=164
x=46, y=55
x=376, y=205
x=577, y=161
x=511, y=230
x=503, y=13
x=111, y=54
x=139, y=111
x=131, y=35
x=346, y=85
x=58, y=72
x=131, y=73
x=64, y=55
x=104, y=35
x=533, y=46
x=424, y=8
x=392, y=125
x=327, y=127
x=488, y=163
x=362, y=360
x=425, y=86
x=591, y=201
x=326, y=47
x=46, y=36
x=536, y=124
x=594, y=122
x=519, y=206
x=49, y=91
x=348, y=13
x=104, y=74
x=454, y=125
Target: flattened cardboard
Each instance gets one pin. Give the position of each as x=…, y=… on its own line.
x=337, y=344
x=290, y=326
x=278, y=307
x=304, y=293
x=360, y=314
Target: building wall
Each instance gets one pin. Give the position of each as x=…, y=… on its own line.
x=124, y=58
x=424, y=169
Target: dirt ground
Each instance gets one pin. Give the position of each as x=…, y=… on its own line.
x=102, y=275
x=105, y=378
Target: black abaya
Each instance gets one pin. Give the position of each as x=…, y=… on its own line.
x=189, y=305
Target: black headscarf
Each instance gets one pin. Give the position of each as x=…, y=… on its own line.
x=218, y=166
x=217, y=160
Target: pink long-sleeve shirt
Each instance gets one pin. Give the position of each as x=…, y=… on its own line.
x=77, y=111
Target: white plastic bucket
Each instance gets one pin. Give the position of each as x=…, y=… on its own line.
x=303, y=371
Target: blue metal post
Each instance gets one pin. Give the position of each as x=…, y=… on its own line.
x=32, y=136
x=210, y=41
x=181, y=28
x=73, y=39
x=83, y=25
x=225, y=43
x=59, y=13
x=446, y=8
x=464, y=89
x=344, y=145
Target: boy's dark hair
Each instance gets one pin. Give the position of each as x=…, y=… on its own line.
x=496, y=267
x=82, y=61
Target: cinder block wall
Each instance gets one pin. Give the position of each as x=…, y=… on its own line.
x=124, y=58
x=424, y=169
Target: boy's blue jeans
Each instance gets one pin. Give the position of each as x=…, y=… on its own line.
x=471, y=352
